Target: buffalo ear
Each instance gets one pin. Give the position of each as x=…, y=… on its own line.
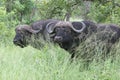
x=77, y=26
x=37, y=26
x=50, y=27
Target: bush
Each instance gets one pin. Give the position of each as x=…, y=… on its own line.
x=107, y=12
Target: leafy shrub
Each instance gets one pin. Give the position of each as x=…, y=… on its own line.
x=107, y=12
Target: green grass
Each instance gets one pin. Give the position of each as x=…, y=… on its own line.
x=51, y=63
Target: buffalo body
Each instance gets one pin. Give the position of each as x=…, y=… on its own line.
x=69, y=35
x=33, y=34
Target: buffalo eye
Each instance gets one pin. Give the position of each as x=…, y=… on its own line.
x=57, y=29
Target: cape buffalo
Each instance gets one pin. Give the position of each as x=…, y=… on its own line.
x=32, y=34
x=24, y=35
x=69, y=34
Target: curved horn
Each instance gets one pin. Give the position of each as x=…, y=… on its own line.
x=50, y=27
x=79, y=31
x=33, y=31
x=27, y=28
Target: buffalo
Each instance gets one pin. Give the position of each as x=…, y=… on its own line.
x=32, y=34
x=69, y=34
x=108, y=32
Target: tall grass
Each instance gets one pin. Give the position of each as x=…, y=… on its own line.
x=51, y=63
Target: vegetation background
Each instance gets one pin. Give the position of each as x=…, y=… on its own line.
x=52, y=62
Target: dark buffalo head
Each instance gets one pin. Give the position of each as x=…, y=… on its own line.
x=63, y=33
x=23, y=34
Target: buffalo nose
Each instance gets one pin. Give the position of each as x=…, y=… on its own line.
x=58, y=38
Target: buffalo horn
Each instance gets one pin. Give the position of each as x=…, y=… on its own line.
x=50, y=27
x=27, y=28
